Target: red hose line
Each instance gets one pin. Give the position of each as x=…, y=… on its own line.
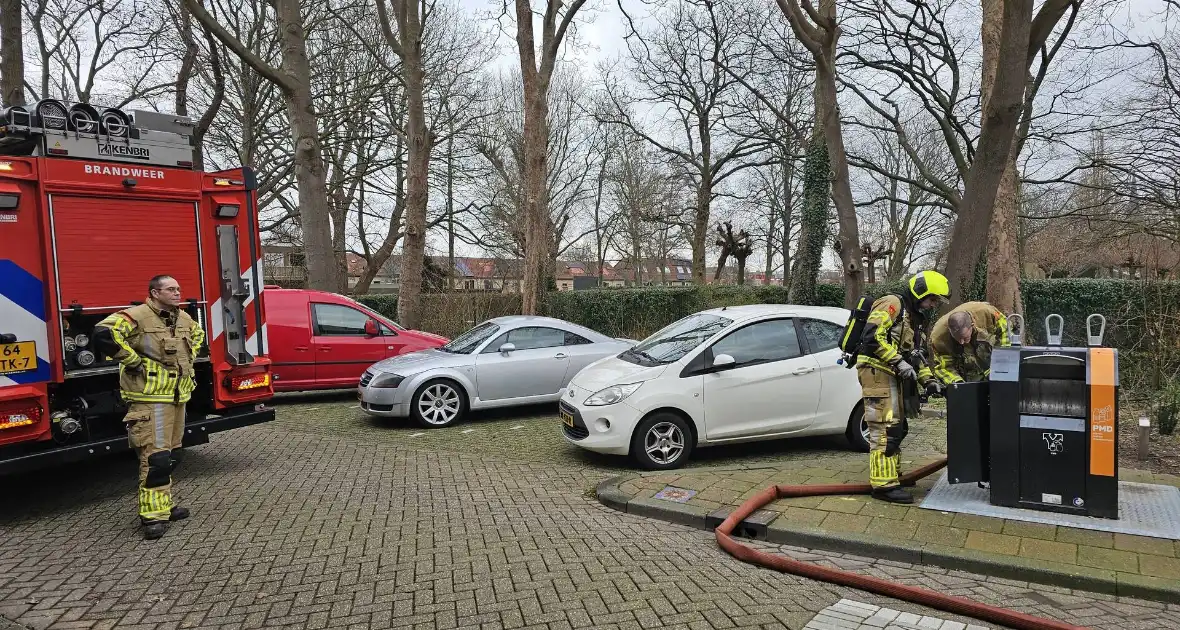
x=914, y=594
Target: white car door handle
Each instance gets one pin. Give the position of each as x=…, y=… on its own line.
x=803, y=370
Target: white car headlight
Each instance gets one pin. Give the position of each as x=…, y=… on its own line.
x=611, y=395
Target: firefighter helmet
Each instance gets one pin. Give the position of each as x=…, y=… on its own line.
x=930, y=283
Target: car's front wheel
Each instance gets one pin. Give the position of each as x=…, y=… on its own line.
x=661, y=442
x=438, y=403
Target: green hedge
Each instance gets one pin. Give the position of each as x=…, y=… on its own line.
x=1142, y=317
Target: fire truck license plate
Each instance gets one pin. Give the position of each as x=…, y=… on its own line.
x=18, y=357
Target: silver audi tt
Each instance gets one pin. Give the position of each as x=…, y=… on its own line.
x=506, y=361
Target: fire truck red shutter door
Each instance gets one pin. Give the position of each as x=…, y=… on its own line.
x=107, y=249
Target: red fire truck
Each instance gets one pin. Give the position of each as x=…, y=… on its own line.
x=93, y=203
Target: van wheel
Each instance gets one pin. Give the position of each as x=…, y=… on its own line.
x=857, y=432
x=662, y=442
x=438, y=403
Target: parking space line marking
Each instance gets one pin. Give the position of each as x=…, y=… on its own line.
x=416, y=434
x=355, y=407
x=468, y=430
x=519, y=426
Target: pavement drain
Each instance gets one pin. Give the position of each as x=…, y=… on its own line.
x=848, y=614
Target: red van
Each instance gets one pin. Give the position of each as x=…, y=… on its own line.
x=321, y=340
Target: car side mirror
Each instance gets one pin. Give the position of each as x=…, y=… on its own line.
x=371, y=329
x=506, y=348
x=723, y=362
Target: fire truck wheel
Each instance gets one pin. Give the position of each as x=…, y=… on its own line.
x=857, y=432
x=438, y=403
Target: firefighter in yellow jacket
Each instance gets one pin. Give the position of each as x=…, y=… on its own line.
x=891, y=336
x=962, y=341
x=155, y=344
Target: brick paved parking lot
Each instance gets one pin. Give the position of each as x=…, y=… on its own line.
x=327, y=519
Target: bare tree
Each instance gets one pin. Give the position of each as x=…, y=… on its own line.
x=639, y=191
x=1018, y=38
x=12, y=53
x=778, y=72
x=294, y=80
x=536, y=75
x=251, y=126
x=604, y=217
x=906, y=217
x=500, y=226
x=682, y=68
x=736, y=245
x=79, y=43
x=193, y=54
x=907, y=62
x=406, y=43
x=818, y=31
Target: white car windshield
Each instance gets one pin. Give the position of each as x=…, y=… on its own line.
x=676, y=340
x=470, y=340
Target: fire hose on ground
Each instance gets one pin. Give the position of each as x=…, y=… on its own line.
x=913, y=594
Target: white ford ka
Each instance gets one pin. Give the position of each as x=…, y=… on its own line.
x=725, y=375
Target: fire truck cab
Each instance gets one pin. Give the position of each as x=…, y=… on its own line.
x=93, y=203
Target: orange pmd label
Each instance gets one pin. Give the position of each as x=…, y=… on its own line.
x=1103, y=423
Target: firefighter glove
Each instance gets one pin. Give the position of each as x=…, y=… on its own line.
x=905, y=371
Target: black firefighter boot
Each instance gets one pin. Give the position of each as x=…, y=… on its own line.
x=178, y=513
x=893, y=494
x=153, y=530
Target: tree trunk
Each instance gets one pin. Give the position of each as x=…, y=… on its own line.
x=600, y=235
x=700, y=231
x=1001, y=116
x=409, y=297
x=12, y=54
x=1003, y=264
x=309, y=162
x=769, y=267
x=450, y=202
x=184, y=27
x=788, y=181
x=813, y=229
x=1003, y=261
x=210, y=114
x=825, y=78
x=741, y=270
x=338, y=207
x=191, y=55
x=536, y=203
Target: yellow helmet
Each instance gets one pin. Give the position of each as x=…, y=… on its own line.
x=927, y=283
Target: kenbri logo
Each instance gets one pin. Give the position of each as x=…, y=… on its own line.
x=146, y=173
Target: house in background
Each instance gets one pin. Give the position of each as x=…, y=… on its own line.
x=672, y=272
x=577, y=276
x=284, y=265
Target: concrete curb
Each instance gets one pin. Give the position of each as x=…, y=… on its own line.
x=783, y=532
